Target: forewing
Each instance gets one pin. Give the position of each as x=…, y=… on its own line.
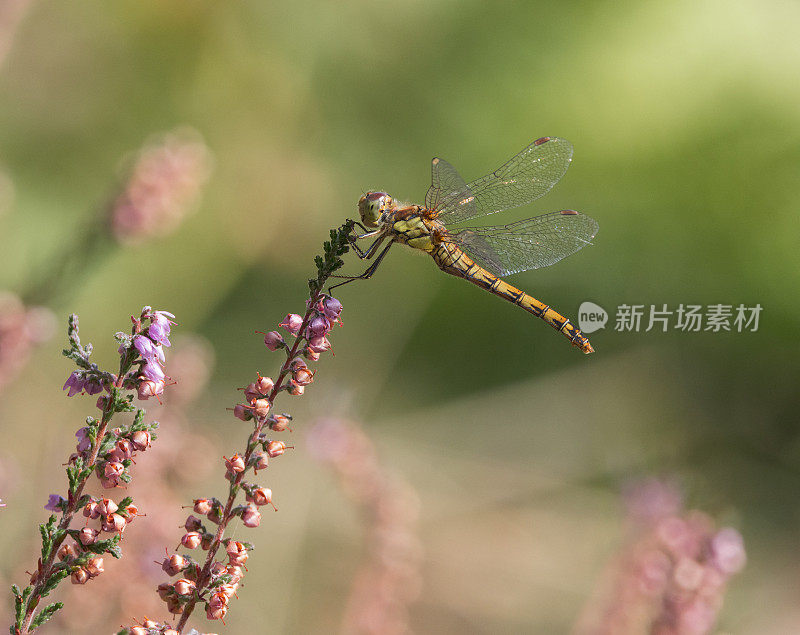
x=447, y=185
x=527, y=244
x=522, y=179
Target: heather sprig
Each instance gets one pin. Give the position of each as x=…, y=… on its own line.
x=101, y=450
x=212, y=582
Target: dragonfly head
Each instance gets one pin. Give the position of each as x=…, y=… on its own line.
x=372, y=206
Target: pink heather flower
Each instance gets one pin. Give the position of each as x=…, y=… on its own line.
x=279, y=423
x=184, y=586
x=311, y=354
x=216, y=613
x=153, y=371
x=237, y=553
x=148, y=388
x=319, y=344
x=261, y=408
x=293, y=388
x=141, y=440
x=332, y=308
x=174, y=564
x=235, y=464
x=202, y=506
x=276, y=448
x=218, y=599
x=240, y=411
x=164, y=182
x=149, y=350
x=274, y=340
x=67, y=551
x=107, y=506
x=75, y=383
x=130, y=511
x=160, y=326
x=265, y=385
x=191, y=540
x=88, y=536
x=91, y=510
x=115, y=523
x=55, y=503
x=251, y=392
x=303, y=376
x=292, y=323
x=727, y=547
x=84, y=442
x=318, y=326
x=94, y=566
x=125, y=448
x=80, y=576
x=193, y=523
x=261, y=462
x=251, y=517
x=261, y=496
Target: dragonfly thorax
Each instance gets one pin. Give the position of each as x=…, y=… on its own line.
x=372, y=206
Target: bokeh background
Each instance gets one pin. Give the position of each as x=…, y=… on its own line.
x=685, y=118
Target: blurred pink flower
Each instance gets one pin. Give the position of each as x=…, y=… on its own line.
x=163, y=185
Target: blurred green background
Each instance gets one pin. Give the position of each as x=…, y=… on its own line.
x=685, y=118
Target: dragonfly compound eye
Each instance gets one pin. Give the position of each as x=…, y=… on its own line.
x=371, y=206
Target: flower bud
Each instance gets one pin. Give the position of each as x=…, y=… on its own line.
x=303, y=376
x=113, y=470
x=261, y=496
x=191, y=540
x=115, y=522
x=261, y=462
x=94, y=566
x=80, y=576
x=184, y=586
x=173, y=565
x=292, y=323
x=274, y=340
x=91, y=510
x=174, y=605
x=251, y=517
x=332, y=308
x=193, y=523
x=265, y=385
x=234, y=465
x=67, y=551
x=251, y=392
x=261, y=408
x=240, y=411
x=237, y=553
x=202, y=505
x=279, y=423
x=150, y=388
x=216, y=613
x=141, y=440
x=319, y=344
x=165, y=590
x=236, y=572
x=106, y=506
x=276, y=448
x=88, y=536
x=318, y=326
x=293, y=388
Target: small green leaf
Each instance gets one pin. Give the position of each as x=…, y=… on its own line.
x=45, y=614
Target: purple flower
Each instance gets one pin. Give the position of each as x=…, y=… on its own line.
x=332, y=308
x=75, y=383
x=55, y=503
x=92, y=387
x=292, y=323
x=148, y=349
x=317, y=327
x=153, y=371
x=160, y=326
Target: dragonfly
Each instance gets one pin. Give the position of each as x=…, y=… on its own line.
x=484, y=255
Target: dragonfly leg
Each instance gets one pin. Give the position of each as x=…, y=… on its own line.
x=370, y=251
x=369, y=272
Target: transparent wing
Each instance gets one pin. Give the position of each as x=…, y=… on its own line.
x=527, y=244
x=522, y=179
